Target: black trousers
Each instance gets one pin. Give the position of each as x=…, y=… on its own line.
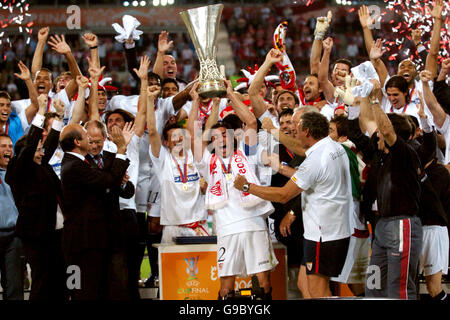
x=48, y=269
x=93, y=266
x=130, y=230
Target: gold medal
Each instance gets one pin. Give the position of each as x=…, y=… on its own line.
x=185, y=187
x=229, y=176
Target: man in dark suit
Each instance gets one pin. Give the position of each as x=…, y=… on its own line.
x=37, y=194
x=118, y=279
x=85, y=237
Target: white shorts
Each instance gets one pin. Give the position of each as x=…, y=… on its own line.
x=434, y=255
x=356, y=262
x=147, y=197
x=170, y=232
x=245, y=253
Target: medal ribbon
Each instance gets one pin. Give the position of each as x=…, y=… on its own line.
x=183, y=175
x=411, y=94
x=49, y=101
x=290, y=153
x=228, y=170
x=404, y=108
x=208, y=108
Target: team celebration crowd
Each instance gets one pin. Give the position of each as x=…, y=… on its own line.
x=352, y=166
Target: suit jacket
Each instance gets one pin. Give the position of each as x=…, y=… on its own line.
x=113, y=215
x=84, y=188
x=36, y=188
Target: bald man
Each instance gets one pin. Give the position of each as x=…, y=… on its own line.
x=84, y=187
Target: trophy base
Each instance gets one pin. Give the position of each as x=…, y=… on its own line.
x=212, y=89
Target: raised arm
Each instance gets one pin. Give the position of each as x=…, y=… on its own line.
x=131, y=57
x=384, y=125
x=91, y=41
x=367, y=121
x=376, y=53
x=23, y=160
x=142, y=74
x=182, y=97
x=36, y=64
x=445, y=68
x=51, y=143
x=79, y=111
x=153, y=135
x=416, y=35
x=324, y=82
x=366, y=23
x=322, y=26
x=314, y=62
x=244, y=113
x=25, y=75
x=60, y=45
x=163, y=46
x=435, y=108
x=214, y=115
x=431, y=62
x=198, y=144
x=289, y=142
x=94, y=73
x=256, y=100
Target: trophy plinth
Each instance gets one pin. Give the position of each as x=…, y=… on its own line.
x=203, y=25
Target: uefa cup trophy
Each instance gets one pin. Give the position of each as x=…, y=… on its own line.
x=203, y=26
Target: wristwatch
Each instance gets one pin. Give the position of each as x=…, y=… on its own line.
x=246, y=187
x=292, y=213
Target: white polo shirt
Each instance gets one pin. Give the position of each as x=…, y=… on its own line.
x=327, y=197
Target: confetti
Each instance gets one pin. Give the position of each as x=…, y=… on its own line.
x=17, y=16
x=407, y=15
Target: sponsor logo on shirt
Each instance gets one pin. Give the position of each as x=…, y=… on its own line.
x=190, y=178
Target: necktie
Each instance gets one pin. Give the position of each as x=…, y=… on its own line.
x=98, y=160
